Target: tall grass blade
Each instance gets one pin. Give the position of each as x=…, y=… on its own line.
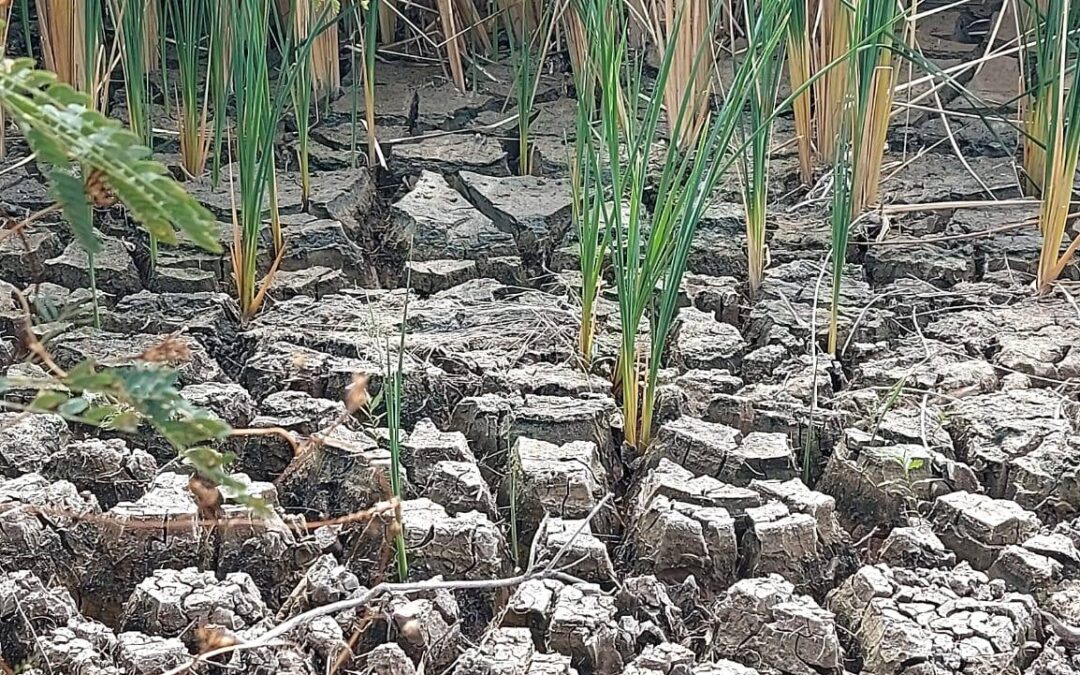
x=757, y=128
x=1056, y=123
x=188, y=19
x=650, y=251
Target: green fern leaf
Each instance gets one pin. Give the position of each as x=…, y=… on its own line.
x=69, y=192
x=47, y=109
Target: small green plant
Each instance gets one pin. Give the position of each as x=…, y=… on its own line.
x=371, y=21
x=256, y=132
x=869, y=69
x=394, y=393
x=757, y=139
x=258, y=112
x=588, y=212
x=188, y=21
x=220, y=67
x=528, y=50
x=1052, y=143
x=302, y=93
x=650, y=254
x=311, y=74
x=129, y=23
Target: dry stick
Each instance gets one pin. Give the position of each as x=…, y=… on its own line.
x=32, y=343
x=384, y=588
x=269, y=431
x=18, y=227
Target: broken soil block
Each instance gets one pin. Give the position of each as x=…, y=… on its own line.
x=646, y=599
x=82, y=646
x=445, y=154
x=325, y=581
x=109, y=469
x=561, y=419
x=778, y=541
x=388, y=659
x=485, y=421
x=696, y=525
x=915, y=547
x=170, y=601
x=37, y=516
x=978, y=527
x=428, y=629
x=545, y=379
x=265, y=456
x=116, y=349
x=722, y=452
x=27, y=441
x=426, y=446
x=280, y=364
x=937, y=265
x=21, y=257
x=460, y=487
x=511, y=651
x=343, y=472
x=116, y=273
x=881, y=482
x=763, y=622
x=148, y=654
x=1021, y=444
x=1026, y=571
x=583, y=627
x=564, y=481
x=461, y=546
x=211, y=318
x=432, y=276
x=683, y=525
x=536, y=211
x=437, y=223
x=320, y=244
x=29, y=609
x=161, y=530
x=954, y=621
x=703, y=342
x=585, y=556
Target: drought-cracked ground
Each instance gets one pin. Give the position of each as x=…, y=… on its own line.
x=911, y=507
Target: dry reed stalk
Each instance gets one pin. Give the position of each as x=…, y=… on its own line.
x=325, y=65
x=62, y=26
x=875, y=128
x=689, y=82
x=577, y=42
x=799, y=49
x=387, y=21
x=477, y=25
x=151, y=55
x=452, y=41
x=833, y=21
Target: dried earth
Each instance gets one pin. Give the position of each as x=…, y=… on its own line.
x=910, y=508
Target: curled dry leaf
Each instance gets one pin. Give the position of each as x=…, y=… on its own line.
x=207, y=496
x=356, y=394
x=212, y=636
x=169, y=351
